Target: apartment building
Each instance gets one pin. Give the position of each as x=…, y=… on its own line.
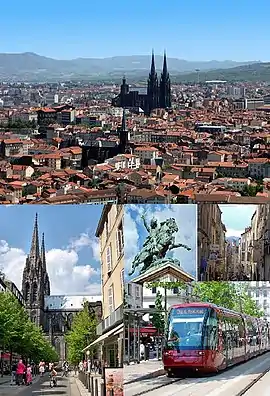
x=260, y=292
x=111, y=241
x=211, y=243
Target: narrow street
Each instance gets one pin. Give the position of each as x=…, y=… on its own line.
x=41, y=387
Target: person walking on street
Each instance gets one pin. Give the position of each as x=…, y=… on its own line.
x=41, y=368
x=81, y=366
x=13, y=373
x=20, y=372
x=65, y=369
x=29, y=378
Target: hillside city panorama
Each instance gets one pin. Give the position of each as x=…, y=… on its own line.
x=138, y=129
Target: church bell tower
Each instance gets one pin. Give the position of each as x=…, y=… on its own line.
x=35, y=282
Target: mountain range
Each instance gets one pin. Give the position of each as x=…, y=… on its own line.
x=32, y=67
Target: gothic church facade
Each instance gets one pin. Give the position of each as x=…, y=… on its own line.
x=157, y=95
x=54, y=314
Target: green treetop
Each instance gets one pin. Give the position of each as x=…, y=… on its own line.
x=82, y=333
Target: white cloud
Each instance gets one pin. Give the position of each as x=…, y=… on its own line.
x=12, y=261
x=233, y=233
x=186, y=219
x=66, y=276
x=131, y=240
x=83, y=241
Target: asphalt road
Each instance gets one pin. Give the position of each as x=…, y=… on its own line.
x=41, y=387
x=228, y=383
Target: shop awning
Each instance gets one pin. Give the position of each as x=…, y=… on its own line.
x=145, y=330
x=112, y=332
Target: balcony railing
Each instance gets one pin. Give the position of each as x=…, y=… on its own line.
x=115, y=317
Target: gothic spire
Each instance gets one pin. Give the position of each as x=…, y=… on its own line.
x=43, y=252
x=165, y=68
x=34, y=251
x=124, y=128
x=153, y=67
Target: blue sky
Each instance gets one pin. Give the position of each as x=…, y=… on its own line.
x=192, y=30
x=135, y=233
x=71, y=246
x=236, y=218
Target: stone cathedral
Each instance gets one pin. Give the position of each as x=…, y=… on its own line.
x=54, y=314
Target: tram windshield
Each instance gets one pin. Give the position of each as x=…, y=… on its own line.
x=185, y=328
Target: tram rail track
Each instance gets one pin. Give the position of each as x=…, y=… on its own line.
x=159, y=386
x=253, y=382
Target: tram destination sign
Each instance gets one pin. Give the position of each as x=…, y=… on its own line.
x=189, y=311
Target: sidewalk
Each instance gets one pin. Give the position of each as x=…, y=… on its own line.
x=143, y=370
x=82, y=389
x=5, y=379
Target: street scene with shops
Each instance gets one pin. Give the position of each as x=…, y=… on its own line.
x=233, y=242
x=171, y=321
x=56, y=311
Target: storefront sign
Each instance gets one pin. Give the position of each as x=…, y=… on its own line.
x=114, y=378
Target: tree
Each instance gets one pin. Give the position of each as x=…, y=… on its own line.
x=158, y=319
x=82, y=333
x=18, y=334
x=251, y=191
x=231, y=295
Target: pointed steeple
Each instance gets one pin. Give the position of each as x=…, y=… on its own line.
x=46, y=280
x=43, y=252
x=165, y=86
x=124, y=135
x=34, y=250
x=152, y=88
x=165, y=68
x=153, y=67
x=124, y=127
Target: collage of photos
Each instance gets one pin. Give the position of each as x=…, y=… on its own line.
x=127, y=299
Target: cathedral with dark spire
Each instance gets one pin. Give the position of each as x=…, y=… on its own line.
x=35, y=282
x=157, y=95
x=53, y=313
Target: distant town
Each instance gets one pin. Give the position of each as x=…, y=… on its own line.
x=75, y=142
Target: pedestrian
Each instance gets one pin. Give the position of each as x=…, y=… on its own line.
x=20, y=372
x=13, y=373
x=29, y=378
x=41, y=368
x=81, y=366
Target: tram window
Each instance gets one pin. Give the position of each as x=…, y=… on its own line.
x=211, y=330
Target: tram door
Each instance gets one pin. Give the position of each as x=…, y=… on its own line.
x=229, y=341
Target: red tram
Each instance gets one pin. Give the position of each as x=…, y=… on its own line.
x=207, y=338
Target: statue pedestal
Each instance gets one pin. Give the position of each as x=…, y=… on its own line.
x=162, y=268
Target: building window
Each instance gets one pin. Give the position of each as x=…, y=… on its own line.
x=175, y=290
x=265, y=293
x=106, y=230
x=129, y=289
x=111, y=299
x=109, y=258
x=154, y=290
x=119, y=240
x=27, y=292
x=122, y=277
x=35, y=292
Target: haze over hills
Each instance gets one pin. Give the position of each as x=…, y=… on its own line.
x=258, y=71
x=32, y=67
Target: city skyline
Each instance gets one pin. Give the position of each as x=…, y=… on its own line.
x=135, y=232
x=187, y=21
x=72, y=251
